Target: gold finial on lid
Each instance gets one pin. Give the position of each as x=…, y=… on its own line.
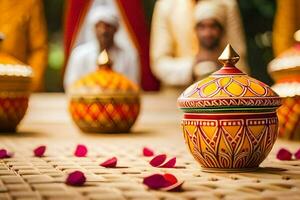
x=297, y=36
x=103, y=58
x=229, y=56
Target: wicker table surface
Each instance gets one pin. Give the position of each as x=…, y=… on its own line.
x=158, y=127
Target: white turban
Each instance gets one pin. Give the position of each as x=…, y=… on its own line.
x=105, y=14
x=210, y=9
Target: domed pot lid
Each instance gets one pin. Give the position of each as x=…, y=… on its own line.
x=11, y=67
x=289, y=59
x=103, y=83
x=229, y=90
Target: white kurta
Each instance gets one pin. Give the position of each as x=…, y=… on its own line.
x=83, y=60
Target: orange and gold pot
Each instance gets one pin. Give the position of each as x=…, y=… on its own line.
x=285, y=70
x=230, y=122
x=104, y=101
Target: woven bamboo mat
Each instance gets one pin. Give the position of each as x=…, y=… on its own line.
x=28, y=177
x=48, y=123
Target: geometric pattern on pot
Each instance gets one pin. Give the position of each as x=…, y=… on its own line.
x=228, y=142
x=105, y=115
x=289, y=118
x=12, y=111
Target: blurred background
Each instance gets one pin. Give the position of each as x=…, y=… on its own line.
x=257, y=17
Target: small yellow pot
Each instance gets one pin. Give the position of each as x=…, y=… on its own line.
x=104, y=101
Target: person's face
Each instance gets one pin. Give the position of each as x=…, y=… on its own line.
x=105, y=34
x=209, y=33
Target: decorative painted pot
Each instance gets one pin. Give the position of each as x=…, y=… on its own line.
x=15, y=80
x=104, y=101
x=230, y=122
x=285, y=70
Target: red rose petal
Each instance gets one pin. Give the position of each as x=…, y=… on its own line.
x=81, y=150
x=158, y=160
x=175, y=187
x=148, y=152
x=3, y=153
x=297, y=154
x=155, y=181
x=284, y=154
x=39, y=151
x=170, y=164
x=110, y=163
x=170, y=178
x=76, y=178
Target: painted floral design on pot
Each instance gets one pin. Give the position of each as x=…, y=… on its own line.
x=230, y=122
x=104, y=101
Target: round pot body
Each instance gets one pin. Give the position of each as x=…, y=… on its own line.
x=231, y=142
x=289, y=118
x=105, y=115
x=15, y=80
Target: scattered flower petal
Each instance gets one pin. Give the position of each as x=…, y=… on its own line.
x=76, y=178
x=297, y=154
x=39, y=151
x=284, y=154
x=81, y=150
x=5, y=154
x=175, y=187
x=166, y=182
x=148, y=152
x=158, y=160
x=155, y=181
x=110, y=163
x=170, y=178
x=170, y=164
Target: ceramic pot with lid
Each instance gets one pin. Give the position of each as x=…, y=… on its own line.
x=285, y=70
x=230, y=121
x=104, y=101
x=15, y=82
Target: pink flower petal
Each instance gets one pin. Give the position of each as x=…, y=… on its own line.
x=284, y=154
x=3, y=153
x=76, y=178
x=110, y=163
x=39, y=151
x=297, y=154
x=147, y=152
x=170, y=164
x=170, y=178
x=175, y=187
x=81, y=150
x=155, y=181
x=158, y=160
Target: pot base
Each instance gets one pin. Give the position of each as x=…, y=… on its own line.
x=228, y=170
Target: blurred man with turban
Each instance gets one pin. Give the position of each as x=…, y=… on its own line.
x=185, y=33
x=24, y=28
x=83, y=59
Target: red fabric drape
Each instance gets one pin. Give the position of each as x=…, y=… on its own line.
x=75, y=12
x=135, y=19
